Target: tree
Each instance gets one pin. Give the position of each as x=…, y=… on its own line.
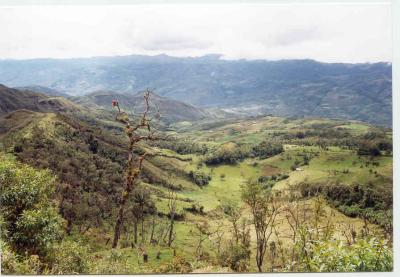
x=135, y=162
x=233, y=212
x=31, y=223
x=236, y=253
x=172, y=198
x=368, y=149
x=141, y=207
x=264, y=209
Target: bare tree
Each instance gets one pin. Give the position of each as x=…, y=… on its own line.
x=153, y=228
x=172, y=199
x=135, y=162
x=219, y=235
x=349, y=232
x=203, y=233
x=234, y=212
x=264, y=208
x=295, y=216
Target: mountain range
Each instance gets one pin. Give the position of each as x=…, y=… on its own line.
x=285, y=88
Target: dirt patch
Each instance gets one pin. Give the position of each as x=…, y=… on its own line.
x=269, y=170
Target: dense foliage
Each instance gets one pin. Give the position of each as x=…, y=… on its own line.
x=231, y=153
x=369, y=201
x=369, y=254
x=31, y=221
x=32, y=237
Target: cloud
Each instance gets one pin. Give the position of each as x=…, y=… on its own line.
x=172, y=43
x=296, y=36
x=325, y=32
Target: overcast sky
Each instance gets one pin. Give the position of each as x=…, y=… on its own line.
x=324, y=32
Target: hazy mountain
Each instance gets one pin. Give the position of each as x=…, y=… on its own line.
x=13, y=99
x=284, y=88
x=170, y=110
x=44, y=90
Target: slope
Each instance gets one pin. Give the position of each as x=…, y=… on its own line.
x=13, y=99
x=170, y=110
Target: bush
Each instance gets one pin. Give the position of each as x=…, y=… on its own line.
x=368, y=149
x=200, y=178
x=236, y=257
x=195, y=208
x=69, y=257
x=333, y=256
x=31, y=222
x=267, y=149
x=12, y=263
x=227, y=154
x=178, y=265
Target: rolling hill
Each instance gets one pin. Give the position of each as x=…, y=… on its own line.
x=170, y=110
x=44, y=90
x=284, y=88
x=13, y=99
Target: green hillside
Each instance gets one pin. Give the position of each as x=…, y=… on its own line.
x=13, y=99
x=170, y=110
x=334, y=175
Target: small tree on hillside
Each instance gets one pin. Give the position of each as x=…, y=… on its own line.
x=172, y=199
x=264, y=208
x=136, y=132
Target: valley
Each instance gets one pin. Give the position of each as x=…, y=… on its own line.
x=330, y=179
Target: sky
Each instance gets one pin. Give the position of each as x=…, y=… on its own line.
x=325, y=32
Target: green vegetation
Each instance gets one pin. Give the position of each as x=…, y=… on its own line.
x=319, y=191
x=334, y=256
x=32, y=235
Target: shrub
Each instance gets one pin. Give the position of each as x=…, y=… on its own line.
x=200, y=178
x=370, y=254
x=267, y=149
x=235, y=257
x=12, y=263
x=31, y=221
x=368, y=149
x=69, y=257
x=178, y=265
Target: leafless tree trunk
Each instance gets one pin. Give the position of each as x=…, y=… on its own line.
x=142, y=221
x=135, y=231
x=134, y=165
x=172, y=198
x=153, y=226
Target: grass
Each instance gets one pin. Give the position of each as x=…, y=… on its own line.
x=334, y=164
x=222, y=189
